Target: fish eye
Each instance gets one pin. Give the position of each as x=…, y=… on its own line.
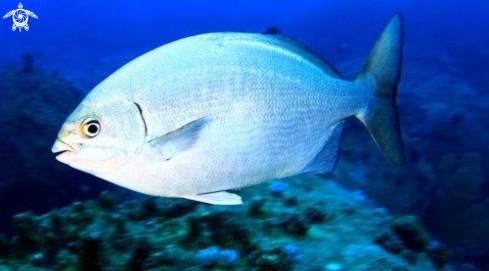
x=91, y=128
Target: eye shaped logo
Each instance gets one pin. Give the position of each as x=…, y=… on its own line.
x=20, y=17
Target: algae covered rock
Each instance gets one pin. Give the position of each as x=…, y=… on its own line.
x=140, y=254
x=34, y=104
x=439, y=255
x=411, y=232
x=149, y=233
x=390, y=242
x=28, y=238
x=4, y=246
x=274, y=259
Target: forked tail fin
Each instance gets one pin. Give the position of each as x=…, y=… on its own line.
x=384, y=65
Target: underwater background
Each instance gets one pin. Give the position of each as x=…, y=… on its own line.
x=367, y=214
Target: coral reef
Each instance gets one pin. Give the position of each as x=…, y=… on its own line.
x=4, y=246
x=34, y=104
x=411, y=233
x=331, y=229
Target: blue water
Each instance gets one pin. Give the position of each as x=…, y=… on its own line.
x=96, y=37
x=443, y=96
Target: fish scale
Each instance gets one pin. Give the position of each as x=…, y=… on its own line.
x=282, y=133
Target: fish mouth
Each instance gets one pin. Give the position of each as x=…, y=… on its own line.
x=61, y=148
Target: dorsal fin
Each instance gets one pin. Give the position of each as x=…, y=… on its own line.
x=299, y=49
x=272, y=30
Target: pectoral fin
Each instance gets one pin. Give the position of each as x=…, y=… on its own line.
x=217, y=198
x=171, y=144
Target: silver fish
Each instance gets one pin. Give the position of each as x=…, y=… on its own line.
x=220, y=111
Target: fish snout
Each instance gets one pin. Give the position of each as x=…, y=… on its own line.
x=62, y=143
x=60, y=146
x=65, y=150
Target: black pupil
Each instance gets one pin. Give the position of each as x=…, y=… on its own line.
x=92, y=128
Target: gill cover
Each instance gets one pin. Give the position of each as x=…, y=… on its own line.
x=100, y=138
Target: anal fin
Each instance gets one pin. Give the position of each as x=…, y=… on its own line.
x=217, y=198
x=326, y=160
